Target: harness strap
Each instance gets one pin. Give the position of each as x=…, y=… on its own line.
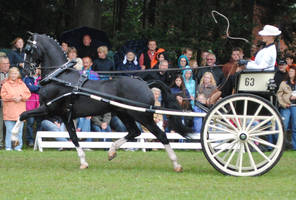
x=57, y=72
x=82, y=79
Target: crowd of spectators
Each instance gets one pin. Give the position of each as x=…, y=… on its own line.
x=190, y=85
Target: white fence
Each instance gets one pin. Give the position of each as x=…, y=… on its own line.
x=46, y=139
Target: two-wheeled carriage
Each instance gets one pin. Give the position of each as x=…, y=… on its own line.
x=243, y=134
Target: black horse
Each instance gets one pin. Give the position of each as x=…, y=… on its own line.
x=66, y=94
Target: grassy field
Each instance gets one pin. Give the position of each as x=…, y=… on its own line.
x=135, y=175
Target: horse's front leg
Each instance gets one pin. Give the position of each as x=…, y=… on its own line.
x=38, y=112
x=72, y=132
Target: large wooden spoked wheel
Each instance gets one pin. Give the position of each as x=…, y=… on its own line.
x=236, y=135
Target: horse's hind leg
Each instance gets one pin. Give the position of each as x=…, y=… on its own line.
x=161, y=136
x=133, y=131
x=72, y=132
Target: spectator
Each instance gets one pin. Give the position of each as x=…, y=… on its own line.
x=183, y=62
x=101, y=123
x=231, y=67
x=117, y=125
x=87, y=69
x=280, y=74
x=159, y=56
x=130, y=62
x=216, y=71
x=162, y=75
x=286, y=96
x=203, y=58
x=158, y=118
x=185, y=106
x=289, y=59
x=4, y=68
x=72, y=55
x=206, y=87
x=193, y=63
x=84, y=125
x=19, y=54
x=188, y=52
x=65, y=47
x=146, y=57
x=189, y=84
x=178, y=87
x=87, y=50
x=55, y=124
x=14, y=93
x=32, y=103
x=103, y=63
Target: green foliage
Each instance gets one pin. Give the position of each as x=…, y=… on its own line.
x=174, y=24
x=134, y=175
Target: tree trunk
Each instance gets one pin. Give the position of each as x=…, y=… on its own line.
x=88, y=13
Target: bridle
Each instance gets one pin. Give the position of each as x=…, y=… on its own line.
x=30, y=48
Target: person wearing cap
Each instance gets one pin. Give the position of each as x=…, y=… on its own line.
x=265, y=59
x=280, y=74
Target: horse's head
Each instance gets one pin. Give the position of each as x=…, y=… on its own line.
x=32, y=55
x=44, y=51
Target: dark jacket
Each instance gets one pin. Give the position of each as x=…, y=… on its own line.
x=30, y=83
x=279, y=76
x=103, y=65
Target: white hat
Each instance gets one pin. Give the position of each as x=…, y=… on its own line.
x=269, y=30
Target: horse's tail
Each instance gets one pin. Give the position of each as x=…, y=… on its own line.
x=169, y=101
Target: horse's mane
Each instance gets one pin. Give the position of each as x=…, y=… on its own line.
x=54, y=42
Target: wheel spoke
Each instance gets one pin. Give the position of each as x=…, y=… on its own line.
x=258, y=150
x=227, y=121
x=236, y=118
x=222, y=129
x=224, y=124
x=261, y=123
x=264, y=133
x=228, y=151
x=239, y=163
x=225, y=141
x=251, y=157
x=230, y=158
x=263, y=142
x=222, y=149
x=253, y=118
x=245, y=114
x=220, y=139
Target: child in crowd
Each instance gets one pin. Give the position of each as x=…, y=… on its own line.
x=189, y=84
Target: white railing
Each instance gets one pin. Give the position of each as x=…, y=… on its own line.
x=46, y=139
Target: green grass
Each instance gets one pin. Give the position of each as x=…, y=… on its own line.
x=135, y=175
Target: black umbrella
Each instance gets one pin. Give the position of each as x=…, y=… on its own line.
x=74, y=37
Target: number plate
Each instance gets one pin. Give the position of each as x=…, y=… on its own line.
x=254, y=81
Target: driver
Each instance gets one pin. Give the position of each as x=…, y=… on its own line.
x=265, y=59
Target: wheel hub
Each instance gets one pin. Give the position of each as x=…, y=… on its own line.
x=243, y=136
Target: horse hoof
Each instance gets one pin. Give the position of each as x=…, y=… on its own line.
x=84, y=166
x=179, y=169
x=111, y=155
